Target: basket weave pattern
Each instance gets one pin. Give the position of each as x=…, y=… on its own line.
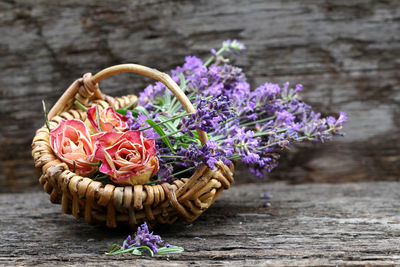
x=184, y=199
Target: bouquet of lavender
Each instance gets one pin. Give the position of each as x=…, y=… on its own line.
x=157, y=140
x=252, y=126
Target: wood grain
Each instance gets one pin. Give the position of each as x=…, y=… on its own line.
x=345, y=53
x=354, y=224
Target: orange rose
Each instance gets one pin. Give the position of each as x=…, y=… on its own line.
x=72, y=142
x=109, y=120
x=128, y=158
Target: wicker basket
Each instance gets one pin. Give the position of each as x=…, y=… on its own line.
x=184, y=199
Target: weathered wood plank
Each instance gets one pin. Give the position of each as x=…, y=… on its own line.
x=315, y=224
x=345, y=53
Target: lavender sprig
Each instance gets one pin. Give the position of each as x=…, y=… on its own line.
x=228, y=45
x=208, y=115
x=144, y=242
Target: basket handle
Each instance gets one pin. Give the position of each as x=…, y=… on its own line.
x=146, y=71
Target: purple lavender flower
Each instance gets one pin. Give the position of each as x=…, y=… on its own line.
x=192, y=64
x=150, y=93
x=195, y=156
x=335, y=125
x=226, y=80
x=266, y=195
x=234, y=45
x=140, y=123
x=143, y=238
x=284, y=118
x=165, y=172
x=208, y=115
x=195, y=74
x=266, y=204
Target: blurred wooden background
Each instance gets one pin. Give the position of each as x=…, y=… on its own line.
x=345, y=53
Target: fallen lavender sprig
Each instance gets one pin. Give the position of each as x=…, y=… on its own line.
x=144, y=243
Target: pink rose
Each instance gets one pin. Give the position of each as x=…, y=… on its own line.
x=128, y=157
x=109, y=120
x=72, y=142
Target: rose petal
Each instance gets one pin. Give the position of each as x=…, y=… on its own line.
x=71, y=142
x=91, y=115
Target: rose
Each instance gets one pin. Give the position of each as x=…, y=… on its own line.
x=73, y=144
x=128, y=158
x=109, y=120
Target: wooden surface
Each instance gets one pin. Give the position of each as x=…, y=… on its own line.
x=314, y=224
x=345, y=53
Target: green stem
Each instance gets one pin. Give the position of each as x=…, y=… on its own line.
x=153, y=182
x=226, y=121
x=132, y=249
x=185, y=170
x=80, y=105
x=304, y=137
x=122, y=251
x=131, y=104
x=258, y=121
x=162, y=122
x=171, y=156
x=113, y=248
x=89, y=163
x=234, y=157
x=219, y=52
x=270, y=132
x=167, y=135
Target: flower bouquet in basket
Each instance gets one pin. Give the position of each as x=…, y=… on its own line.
x=168, y=154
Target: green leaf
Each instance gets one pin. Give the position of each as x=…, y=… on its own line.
x=46, y=119
x=174, y=249
x=167, y=123
x=161, y=133
x=122, y=111
x=195, y=134
x=182, y=81
x=135, y=113
x=176, y=120
x=136, y=252
x=146, y=248
x=113, y=248
x=175, y=104
x=157, y=107
x=161, y=101
x=167, y=98
x=184, y=145
x=143, y=111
